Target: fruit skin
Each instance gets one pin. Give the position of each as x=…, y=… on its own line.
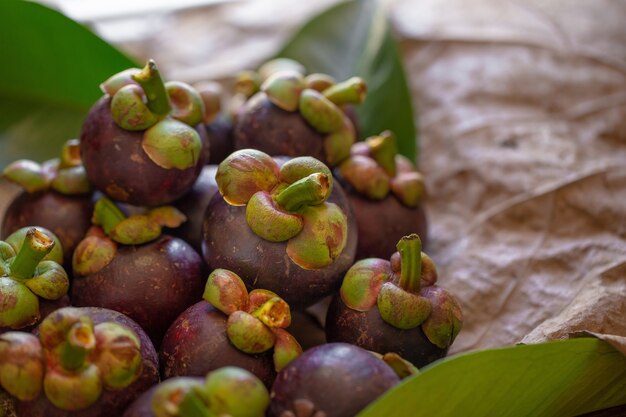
x=374, y=334
x=377, y=239
x=193, y=205
x=117, y=165
x=264, y=126
x=110, y=403
x=68, y=217
x=267, y=263
x=337, y=378
x=220, y=137
x=151, y=283
x=197, y=343
x=142, y=406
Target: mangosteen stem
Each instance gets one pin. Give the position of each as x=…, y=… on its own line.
x=309, y=191
x=80, y=342
x=410, y=248
x=271, y=312
x=107, y=214
x=383, y=150
x=150, y=80
x=35, y=247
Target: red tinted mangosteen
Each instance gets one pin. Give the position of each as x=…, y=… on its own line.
x=331, y=380
x=80, y=363
x=395, y=306
x=386, y=193
x=57, y=196
x=288, y=229
x=126, y=264
x=231, y=327
x=288, y=113
x=138, y=143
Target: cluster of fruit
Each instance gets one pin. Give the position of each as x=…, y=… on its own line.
x=276, y=200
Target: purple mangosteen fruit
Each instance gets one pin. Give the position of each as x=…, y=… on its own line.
x=396, y=306
x=79, y=363
x=386, y=193
x=143, y=143
x=127, y=265
x=288, y=113
x=331, y=380
x=56, y=196
x=287, y=229
x=227, y=391
x=231, y=327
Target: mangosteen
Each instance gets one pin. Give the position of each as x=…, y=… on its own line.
x=288, y=229
x=386, y=193
x=79, y=363
x=138, y=142
x=27, y=277
x=227, y=391
x=331, y=380
x=395, y=306
x=57, y=196
x=288, y=113
x=218, y=124
x=231, y=327
x=193, y=205
x=126, y=264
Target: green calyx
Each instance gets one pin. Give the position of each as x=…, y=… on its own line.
x=119, y=80
x=351, y=91
x=82, y=359
x=25, y=276
x=281, y=202
x=410, y=248
x=322, y=114
x=283, y=89
x=361, y=284
x=337, y=144
x=375, y=168
x=187, y=104
x=172, y=144
x=319, y=82
x=400, y=366
x=227, y=391
x=165, y=111
x=65, y=175
x=133, y=230
x=279, y=65
x=254, y=319
x=21, y=365
x=446, y=320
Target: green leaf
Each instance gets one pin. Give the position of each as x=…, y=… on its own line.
x=563, y=378
x=52, y=67
x=354, y=38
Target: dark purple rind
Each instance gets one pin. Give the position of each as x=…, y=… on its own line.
x=229, y=243
x=381, y=224
x=117, y=165
x=193, y=205
x=338, y=378
x=369, y=331
x=68, y=217
x=220, y=136
x=197, y=343
x=151, y=283
x=142, y=406
x=110, y=403
x=264, y=126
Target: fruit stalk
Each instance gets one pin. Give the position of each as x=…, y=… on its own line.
x=35, y=247
x=308, y=191
x=150, y=80
x=410, y=248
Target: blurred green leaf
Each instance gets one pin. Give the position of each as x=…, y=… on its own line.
x=52, y=67
x=354, y=38
x=563, y=378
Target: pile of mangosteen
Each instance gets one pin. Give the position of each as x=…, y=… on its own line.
x=182, y=242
